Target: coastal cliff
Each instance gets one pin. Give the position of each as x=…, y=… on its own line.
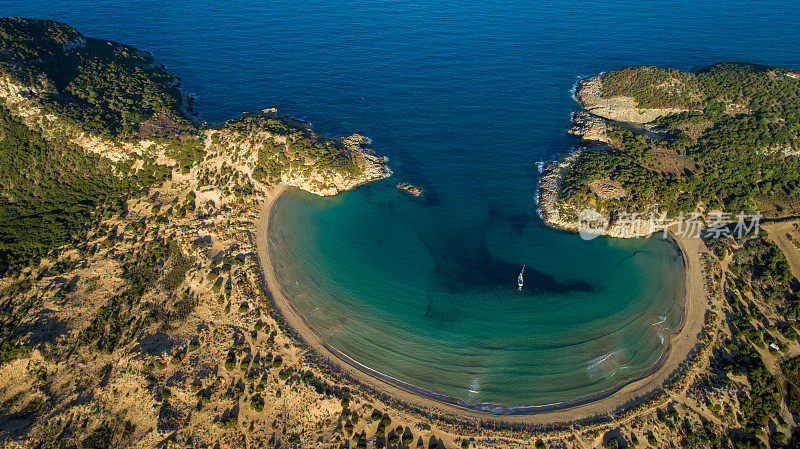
x=370, y=167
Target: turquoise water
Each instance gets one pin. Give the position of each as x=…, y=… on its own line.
x=464, y=97
x=396, y=285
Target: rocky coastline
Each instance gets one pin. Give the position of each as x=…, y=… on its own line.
x=591, y=125
x=325, y=183
x=550, y=209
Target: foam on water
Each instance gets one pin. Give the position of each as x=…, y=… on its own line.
x=606, y=365
x=574, y=89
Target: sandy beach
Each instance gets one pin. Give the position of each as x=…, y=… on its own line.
x=680, y=343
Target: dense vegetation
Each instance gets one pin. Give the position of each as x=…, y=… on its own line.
x=104, y=87
x=274, y=158
x=651, y=87
x=734, y=148
x=51, y=190
x=755, y=87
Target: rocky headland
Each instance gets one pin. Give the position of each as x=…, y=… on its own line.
x=619, y=108
x=591, y=126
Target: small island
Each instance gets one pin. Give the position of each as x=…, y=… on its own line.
x=410, y=188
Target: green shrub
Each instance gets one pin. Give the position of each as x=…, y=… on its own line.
x=230, y=360
x=256, y=403
x=230, y=422
x=178, y=358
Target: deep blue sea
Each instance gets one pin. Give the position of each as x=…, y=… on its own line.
x=464, y=98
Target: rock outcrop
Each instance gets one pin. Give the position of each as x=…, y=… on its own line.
x=552, y=211
x=619, y=108
x=410, y=188
x=322, y=182
x=591, y=126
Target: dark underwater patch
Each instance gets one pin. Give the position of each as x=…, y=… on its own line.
x=459, y=268
x=517, y=222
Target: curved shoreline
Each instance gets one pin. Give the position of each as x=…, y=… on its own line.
x=679, y=344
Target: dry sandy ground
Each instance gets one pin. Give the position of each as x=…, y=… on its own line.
x=681, y=343
x=777, y=233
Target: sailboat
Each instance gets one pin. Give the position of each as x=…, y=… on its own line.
x=519, y=278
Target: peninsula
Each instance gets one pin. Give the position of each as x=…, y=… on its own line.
x=663, y=141
x=712, y=144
